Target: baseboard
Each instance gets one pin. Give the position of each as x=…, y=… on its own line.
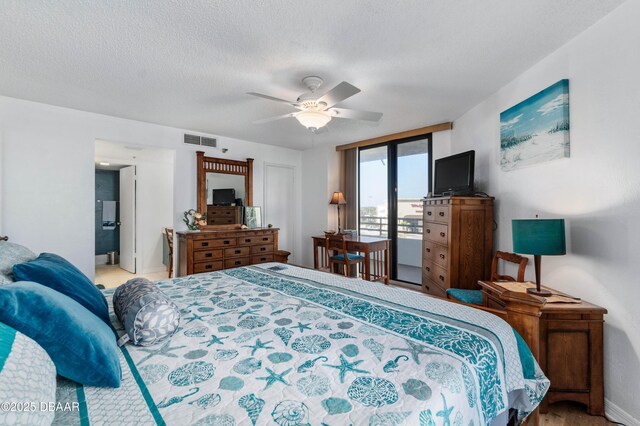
x=617, y=414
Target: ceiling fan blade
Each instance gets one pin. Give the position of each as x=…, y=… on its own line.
x=278, y=117
x=339, y=93
x=271, y=98
x=356, y=115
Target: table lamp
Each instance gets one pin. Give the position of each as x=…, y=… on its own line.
x=539, y=237
x=338, y=199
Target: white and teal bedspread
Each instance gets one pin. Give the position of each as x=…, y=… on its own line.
x=277, y=344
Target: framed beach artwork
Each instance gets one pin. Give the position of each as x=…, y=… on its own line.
x=253, y=218
x=537, y=129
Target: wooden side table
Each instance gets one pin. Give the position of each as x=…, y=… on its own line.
x=570, y=348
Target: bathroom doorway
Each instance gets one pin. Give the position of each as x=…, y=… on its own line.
x=134, y=205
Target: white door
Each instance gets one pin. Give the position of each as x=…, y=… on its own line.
x=279, y=187
x=128, y=219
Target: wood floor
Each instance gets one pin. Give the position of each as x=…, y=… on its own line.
x=570, y=414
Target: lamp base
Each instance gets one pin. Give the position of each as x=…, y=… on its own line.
x=541, y=292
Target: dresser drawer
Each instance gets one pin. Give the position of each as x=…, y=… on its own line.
x=265, y=248
x=235, y=262
x=436, y=273
x=255, y=239
x=435, y=253
x=221, y=212
x=221, y=220
x=207, y=244
x=205, y=255
x=237, y=252
x=262, y=258
x=207, y=266
x=436, y=232
x=441, y=214
x=432, y=288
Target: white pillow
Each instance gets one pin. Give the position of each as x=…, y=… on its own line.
x=27, y=380
x=11, y=254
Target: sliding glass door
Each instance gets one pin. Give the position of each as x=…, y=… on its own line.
x=393, y=178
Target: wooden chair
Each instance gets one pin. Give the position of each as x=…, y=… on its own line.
x=168, y=232
x=337, y=244
x=474, y=297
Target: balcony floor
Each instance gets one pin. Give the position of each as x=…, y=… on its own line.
x=412, y=274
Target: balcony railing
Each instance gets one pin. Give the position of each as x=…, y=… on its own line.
x=408, y=227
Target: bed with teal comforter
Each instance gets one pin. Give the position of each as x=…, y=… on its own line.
x=277, y=344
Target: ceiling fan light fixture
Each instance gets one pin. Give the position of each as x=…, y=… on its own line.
x=313, y=119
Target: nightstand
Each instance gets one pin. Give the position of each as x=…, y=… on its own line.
x=570, y=348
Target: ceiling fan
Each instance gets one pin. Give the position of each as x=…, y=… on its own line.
x=316, y=110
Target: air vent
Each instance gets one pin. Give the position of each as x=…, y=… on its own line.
x=197, y=140
x=192, y=139
x=208, y=142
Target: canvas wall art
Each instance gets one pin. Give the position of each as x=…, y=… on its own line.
x=537, y=129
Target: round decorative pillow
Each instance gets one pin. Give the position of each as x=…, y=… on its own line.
x=147, y=314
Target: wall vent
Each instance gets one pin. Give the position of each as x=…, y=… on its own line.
x=197, y=140
x=192, y=139
x=211, y=142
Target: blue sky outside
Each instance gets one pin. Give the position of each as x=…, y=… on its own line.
x=537, y=114
x=412, y=179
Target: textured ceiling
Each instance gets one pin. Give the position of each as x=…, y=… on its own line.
x=189, y=64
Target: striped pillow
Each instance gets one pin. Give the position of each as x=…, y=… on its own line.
x=27, y=380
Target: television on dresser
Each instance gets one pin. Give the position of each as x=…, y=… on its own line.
x=453, y=175
x=223, y=197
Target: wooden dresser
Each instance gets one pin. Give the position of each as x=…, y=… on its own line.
x=224, y=215
x=207, y=251
x=457, y=243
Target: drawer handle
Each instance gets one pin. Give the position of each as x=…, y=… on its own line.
x=428, y=231
x=442, y=234
x=247, y=240
x=238, y=262
x=208, y=266
x=262, y=259
x=441, y=213
x=429, y=213
x=428, y=250
x=238, y=251
x=208, y=254
x=441, y=277
x=227, y=242
x=441, y=256
x=428, y=269
x=265, y=238
x=263, y=248
x=205, y=244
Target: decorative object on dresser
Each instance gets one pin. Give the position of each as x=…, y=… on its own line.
x=213, y=250
x=570, y=350
x=253, y=217
x=457, y=243
x=474, y=297
x=338, y=199
x=539, y=237
x=194, y=220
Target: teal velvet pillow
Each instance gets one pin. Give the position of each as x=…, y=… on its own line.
x=81, y=346
x=57, y=273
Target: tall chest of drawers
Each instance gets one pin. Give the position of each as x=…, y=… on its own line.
x=457, y=243
x=208, y=251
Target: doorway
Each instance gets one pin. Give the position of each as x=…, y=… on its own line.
x=393, y=179
x=279, y=187
x=134, y=205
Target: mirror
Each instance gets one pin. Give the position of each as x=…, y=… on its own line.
x=220, y=182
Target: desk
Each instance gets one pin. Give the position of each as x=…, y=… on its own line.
x=570, y=345
x=375, y=249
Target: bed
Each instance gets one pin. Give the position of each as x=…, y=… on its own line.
x=279, y=344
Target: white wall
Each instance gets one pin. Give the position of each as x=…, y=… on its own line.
x=320, y=179
x=48, y=173
x=597, y=190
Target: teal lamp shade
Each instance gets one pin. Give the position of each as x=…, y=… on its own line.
x=539, y=236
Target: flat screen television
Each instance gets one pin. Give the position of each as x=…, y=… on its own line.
x=454, y=175
x=223, y=197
